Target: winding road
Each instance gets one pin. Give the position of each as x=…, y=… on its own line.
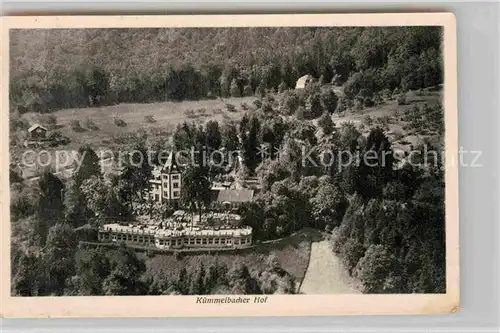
x=325, y=273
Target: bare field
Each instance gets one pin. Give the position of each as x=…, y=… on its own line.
x=325, y=273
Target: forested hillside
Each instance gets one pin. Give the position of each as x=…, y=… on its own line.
x=62, y=68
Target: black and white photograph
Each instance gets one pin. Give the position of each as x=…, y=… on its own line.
x=229, y=164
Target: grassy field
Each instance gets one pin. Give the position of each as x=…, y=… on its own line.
x=390, y=109
x=162, y=116
x=292, y=253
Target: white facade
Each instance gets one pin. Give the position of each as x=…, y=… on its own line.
x=194, y=237
x=166, y=182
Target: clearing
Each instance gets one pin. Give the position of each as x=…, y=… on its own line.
x=162, y=117
x=325, y=273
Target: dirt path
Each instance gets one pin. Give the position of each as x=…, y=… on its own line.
x=325, y=273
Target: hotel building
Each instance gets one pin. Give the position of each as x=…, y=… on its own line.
x=166, y=182
x=177, y=238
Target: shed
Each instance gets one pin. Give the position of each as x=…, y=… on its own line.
x=303, y=81
x=37, y=132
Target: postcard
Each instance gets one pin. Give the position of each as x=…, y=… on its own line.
x=229, y=165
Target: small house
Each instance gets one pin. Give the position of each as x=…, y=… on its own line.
x=37, y=132
x=303, y=81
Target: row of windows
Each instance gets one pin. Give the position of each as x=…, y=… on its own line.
x=175, y=194
x=188, y=241
x=174, y=177
x=174, y=184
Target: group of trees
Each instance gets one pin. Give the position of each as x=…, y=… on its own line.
x=95, y=66
x=216, y=278
x=387, y=221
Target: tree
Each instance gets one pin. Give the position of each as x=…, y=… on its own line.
x=199, y=281
x=376, y=166
x=314, y=107
x=196, y=189
x=230, y=140
x=329, y=100
x=326, y=123
x=378, y=271
x=282, y=87
x=234, y=89
x=94, y=189
x=260, y=91
x=90, y=165
x=125, y=271
x=27, y=280
x=247, y=91
x=58, y=260
x=241, y=282
x=328, y=206
x=213, y=135
x=91, y=267
x=289, y=102
x=97, y=85
x=50, y=206
x=251, y=145
x=137, y=169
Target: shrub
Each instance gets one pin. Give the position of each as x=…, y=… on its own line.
x=149, y=119
x=230, y=107
x=18, y=124
x=257, y=103
x=190, y=114
x=401, y=99
x=340, y=107
x=120, y=122
x=75, y=126
x=368, y=102
x=368, y=120
x=57, y=138
x=378, y=100
x=386, y=94
x=289, y=103
x=260, y=90
x=282, y=87
x=247, y=90
x=244, y=106
x=234, y=89
x=358, y=105
x=89, y=123
x=300, y=113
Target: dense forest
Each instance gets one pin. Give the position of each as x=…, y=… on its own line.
x=62, y=68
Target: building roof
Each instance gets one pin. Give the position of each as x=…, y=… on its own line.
x=235, y=195
x=302, y=81
x=190, y=231
x=35, y=126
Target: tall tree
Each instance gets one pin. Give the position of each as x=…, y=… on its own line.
x=50, y=208
x=89, y=166
x=251, y=145
x=213, y=134
x=196, y=189
x=125, y=271
x=58, y=257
